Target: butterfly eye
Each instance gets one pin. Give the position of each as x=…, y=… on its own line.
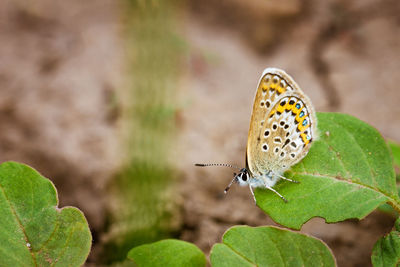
x=244, y=177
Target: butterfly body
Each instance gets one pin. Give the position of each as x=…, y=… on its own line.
x=265, y=180
x=283, y=126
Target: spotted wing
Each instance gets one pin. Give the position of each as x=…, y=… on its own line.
x=282, y=127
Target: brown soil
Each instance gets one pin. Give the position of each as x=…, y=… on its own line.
x=61, y=62
x=344, y=55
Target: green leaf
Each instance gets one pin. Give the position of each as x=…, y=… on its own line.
x=347, y=173
x=269, y=246
x=386, y=251
x=169, y=252
x=34, y=232
x=395, y=148
x=388, y=208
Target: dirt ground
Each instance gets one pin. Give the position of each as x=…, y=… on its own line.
x=353, y=72
x=61, y=63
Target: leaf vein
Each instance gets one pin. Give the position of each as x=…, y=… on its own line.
x=276, y=247
x=238, y=253
x=362, y=153
x=50, y=236
x=65, y=246
x=351, y=182
x=19, y=223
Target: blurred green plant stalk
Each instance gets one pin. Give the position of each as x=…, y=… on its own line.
x=144, y=206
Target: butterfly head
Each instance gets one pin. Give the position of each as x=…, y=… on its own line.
x=243, y=177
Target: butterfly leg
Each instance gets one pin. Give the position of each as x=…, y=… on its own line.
x=251, y=190
x=287, y=179
x=290, y=180
x=276, y=192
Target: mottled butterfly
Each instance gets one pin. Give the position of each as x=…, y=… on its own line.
x=282, y=128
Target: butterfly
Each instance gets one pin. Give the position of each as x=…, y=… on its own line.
x=283, y=126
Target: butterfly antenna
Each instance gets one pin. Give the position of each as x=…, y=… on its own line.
x=230, y=184
x=217, y=164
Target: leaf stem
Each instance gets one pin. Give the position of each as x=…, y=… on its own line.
x=395, y=205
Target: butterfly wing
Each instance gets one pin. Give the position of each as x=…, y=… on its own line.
x=282, y=126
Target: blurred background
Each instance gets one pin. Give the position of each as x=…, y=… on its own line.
x=114, y=101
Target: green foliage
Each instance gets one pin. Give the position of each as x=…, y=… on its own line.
x=34, y=232
x=269, y=246
x=167, y=253
x=395, y=148
x=386, y=251
x=347, y=173
x=388, y=208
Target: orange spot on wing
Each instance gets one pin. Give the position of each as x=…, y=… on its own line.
x=280, y=108
x=298, y=119
x=288, y=106
x=280, y=89
x=297, y=112
x=301, y=127
x=272, y=113
x=264, y=86
x=304, y=138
